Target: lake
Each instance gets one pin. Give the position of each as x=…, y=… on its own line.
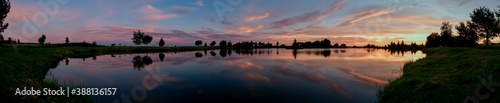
x=259, y=75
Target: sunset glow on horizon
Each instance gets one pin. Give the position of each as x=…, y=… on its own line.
x=182, y=22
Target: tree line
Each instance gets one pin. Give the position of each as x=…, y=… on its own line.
x=484, y=25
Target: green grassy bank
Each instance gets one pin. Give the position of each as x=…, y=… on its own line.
x=26, y=66
x=447, y=75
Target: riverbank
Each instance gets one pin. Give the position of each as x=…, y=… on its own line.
x=26, y=66
x=447, y=75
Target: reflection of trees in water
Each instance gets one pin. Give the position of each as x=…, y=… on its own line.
x=223, y=52
x=253, y=51
x=212, y=53
x=162, y=56
x=66, y=61
x=325, y=53
x=140, y=62
x=198, y=54
x=402, y=52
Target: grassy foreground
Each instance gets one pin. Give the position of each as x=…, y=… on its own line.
x=447, y=75
x=26, y=66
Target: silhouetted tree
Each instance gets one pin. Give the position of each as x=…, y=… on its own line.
x=446, y=34
x=161, y=43
x=485, y=23
x=277, y=44
x=41, y=40
x=326, y=43
x=205, y=45
x=94, y=43
x=147, y=39
x=1, y=38
x=198, y=42
x=229, y=44
x=433, y=40
x=213, y=43
x=67, y=40
x=336, y=45
x=343, y=45
x=162, y=56
x=295, y=44
x=4, y=10
x=137, y=39
x=467, y=36
x=223, y=44
x=9, y=40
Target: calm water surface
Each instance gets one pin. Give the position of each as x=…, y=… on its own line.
x=263, y=75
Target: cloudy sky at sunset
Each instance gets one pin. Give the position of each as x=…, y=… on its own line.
x=181, y=22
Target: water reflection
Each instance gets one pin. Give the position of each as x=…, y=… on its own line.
x=258, y=75
x=161, y=56
x=139, y=62
x=198, y=54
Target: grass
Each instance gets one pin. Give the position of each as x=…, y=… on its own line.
x=447, y=75
x=26, y=65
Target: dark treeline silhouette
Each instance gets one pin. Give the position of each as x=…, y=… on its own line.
x=325, y=43
x=400, y=45
x=483, y=25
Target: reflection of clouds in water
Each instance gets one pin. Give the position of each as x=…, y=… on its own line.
x=316, y=78
x=243, y=65
x=362, y=78
x=256, y=78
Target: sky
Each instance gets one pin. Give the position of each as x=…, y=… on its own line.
x=182, y=22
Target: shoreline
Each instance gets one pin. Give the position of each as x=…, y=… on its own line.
x=27, y=67
x=446, y=74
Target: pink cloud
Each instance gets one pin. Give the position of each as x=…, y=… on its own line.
x=244, y=28
x=370, y=13
x=256, y=17
x=307, y=17
x=151, y=13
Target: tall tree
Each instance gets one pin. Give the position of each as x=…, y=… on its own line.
x=41, y=39
x=467, y=36
x=9, y=40
x=446, y=34
x=485, y=23
x=223, y=44
x=147, y=39
x=213, y=43
x=4, y=10
x=229, y=44
x=433, y=40
x=198, y=42
x=1, y=38
x=137, y=39
x=67, y=40
x=161, y=43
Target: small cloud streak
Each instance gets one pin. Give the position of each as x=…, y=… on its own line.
x=244, y=28
x=150, y=13
x=306, y=17
x=256, y=17
x=370, y=13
